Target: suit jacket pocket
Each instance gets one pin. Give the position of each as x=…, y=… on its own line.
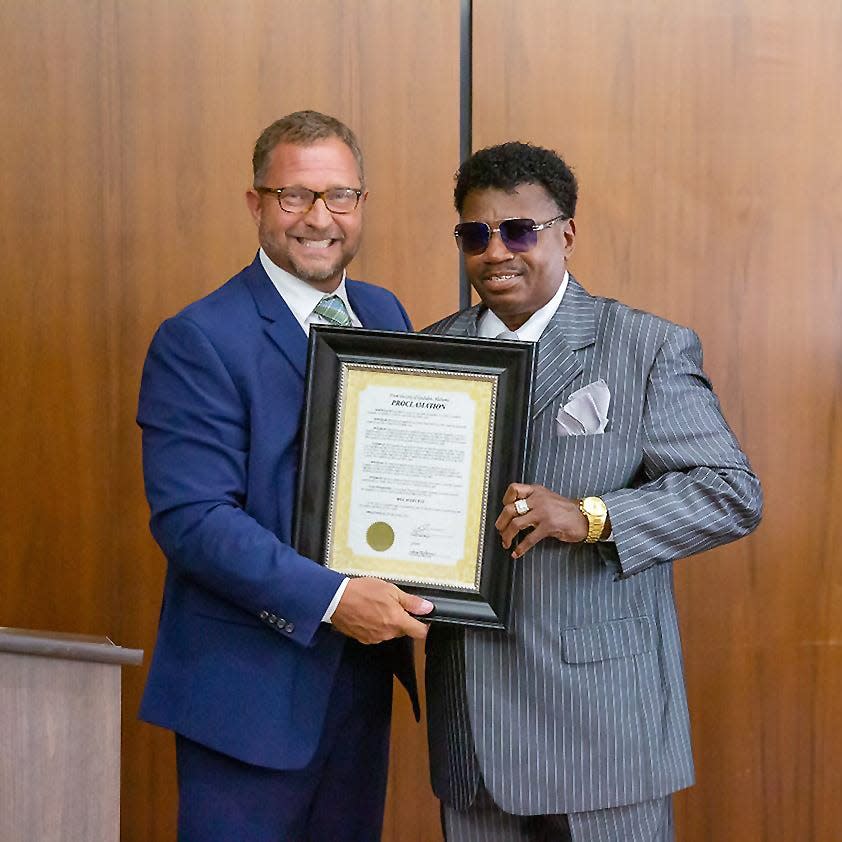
x=619, y=638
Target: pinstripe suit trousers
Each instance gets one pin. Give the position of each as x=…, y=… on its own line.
x=484, y=821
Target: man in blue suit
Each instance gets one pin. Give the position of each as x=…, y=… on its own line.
x=281, y=714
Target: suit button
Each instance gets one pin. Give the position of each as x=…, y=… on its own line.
x=263, y=615
x=273, y=619
x=289, y=627
x=281, y=622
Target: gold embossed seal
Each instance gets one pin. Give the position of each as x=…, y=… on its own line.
x=380, y=536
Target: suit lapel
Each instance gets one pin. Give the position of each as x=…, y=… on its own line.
x=280, y=325
x=571, y=329
x=463, y=323
x=283, y=328
x=369, y=315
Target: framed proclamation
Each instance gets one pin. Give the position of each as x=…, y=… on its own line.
x=409, y=442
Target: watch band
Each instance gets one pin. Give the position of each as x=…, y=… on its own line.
x=594, y=509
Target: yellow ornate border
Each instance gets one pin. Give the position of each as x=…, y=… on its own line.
x=465, y=573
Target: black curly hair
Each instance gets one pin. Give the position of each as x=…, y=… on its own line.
x=508, y=165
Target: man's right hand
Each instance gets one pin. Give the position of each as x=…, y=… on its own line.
x=372, y=611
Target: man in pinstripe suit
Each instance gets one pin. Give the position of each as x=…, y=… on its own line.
x=574, y=724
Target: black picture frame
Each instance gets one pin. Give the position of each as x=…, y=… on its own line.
x=333, y=354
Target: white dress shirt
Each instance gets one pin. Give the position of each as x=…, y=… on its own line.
x=490, y=325
x=301, y=297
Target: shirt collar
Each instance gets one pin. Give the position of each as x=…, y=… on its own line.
x=299, y=296
x=490, y=324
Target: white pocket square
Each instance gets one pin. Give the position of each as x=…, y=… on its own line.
x=586, y=412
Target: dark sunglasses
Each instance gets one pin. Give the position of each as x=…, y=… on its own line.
x=517, y=234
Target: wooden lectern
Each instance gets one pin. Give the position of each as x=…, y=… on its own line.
x=60, y=736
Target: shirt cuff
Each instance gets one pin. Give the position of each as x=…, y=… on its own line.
x=335, y=601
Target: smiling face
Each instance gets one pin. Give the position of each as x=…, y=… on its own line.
x=315, y=246
x=516, y=284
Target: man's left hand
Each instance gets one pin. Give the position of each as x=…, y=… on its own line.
x=550, y=516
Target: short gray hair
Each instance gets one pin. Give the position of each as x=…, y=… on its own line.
x=302, y=128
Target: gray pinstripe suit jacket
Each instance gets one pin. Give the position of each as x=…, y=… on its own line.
x=582, y=706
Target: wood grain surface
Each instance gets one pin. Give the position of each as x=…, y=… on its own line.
x=707, y=140
x=60, y=763
x=126, y=153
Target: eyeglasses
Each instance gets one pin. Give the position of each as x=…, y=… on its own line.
x=517, y=234
x=300, y=199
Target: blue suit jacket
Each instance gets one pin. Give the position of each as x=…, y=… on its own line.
x=243, y=663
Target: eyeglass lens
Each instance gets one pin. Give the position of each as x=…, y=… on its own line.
x=338, y=199
x=518, y=235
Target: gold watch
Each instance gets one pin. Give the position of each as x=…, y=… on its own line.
x=595, y=510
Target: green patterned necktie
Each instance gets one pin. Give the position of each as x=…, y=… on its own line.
x=332, y=307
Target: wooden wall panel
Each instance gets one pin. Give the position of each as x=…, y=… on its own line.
x=125, y=154
x=707, y=138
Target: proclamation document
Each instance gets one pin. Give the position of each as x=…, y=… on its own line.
x=412, y=456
